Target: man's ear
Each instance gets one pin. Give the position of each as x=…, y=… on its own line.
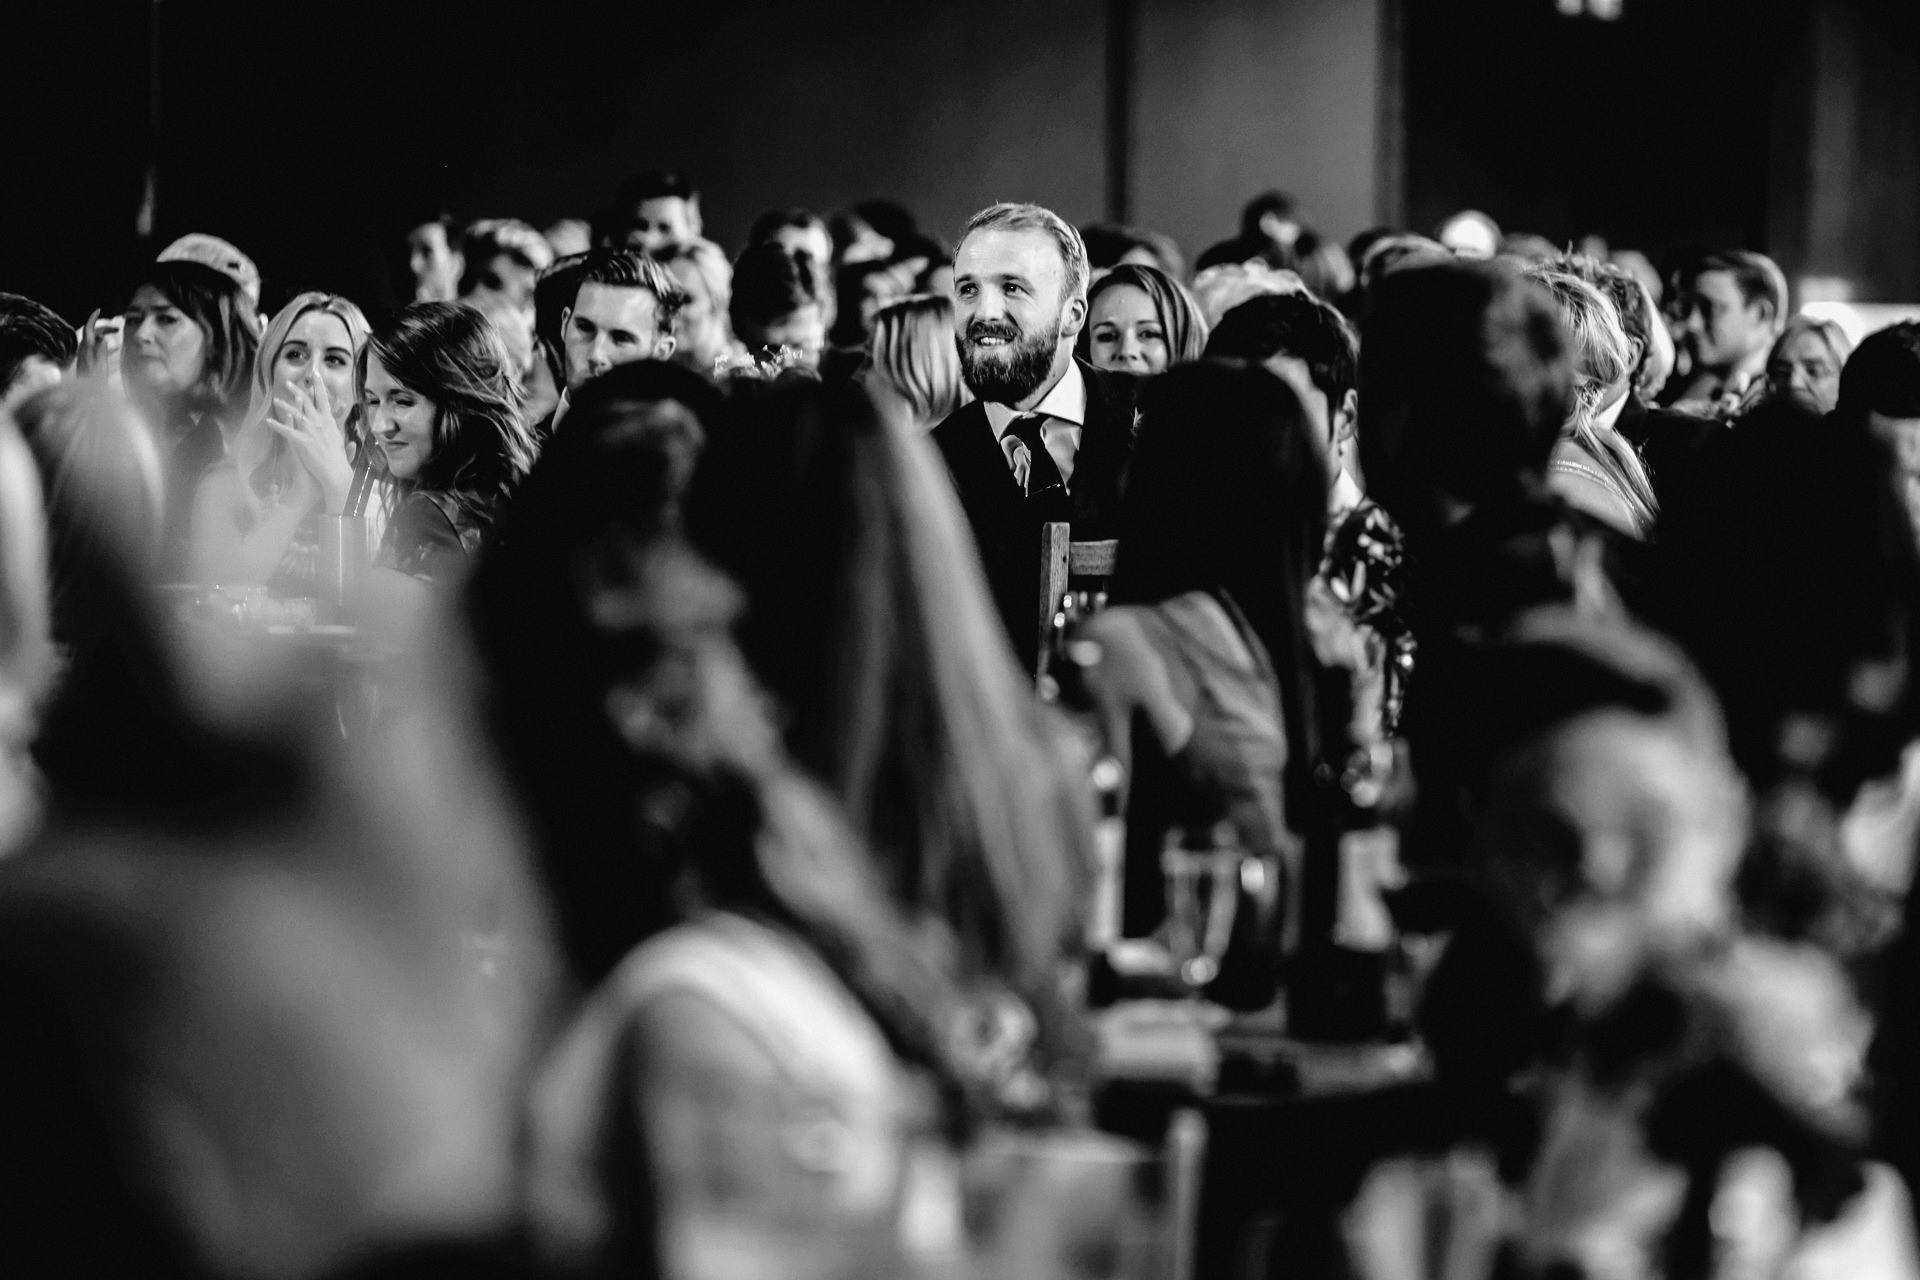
x=663, y=346
x=1074, y=318
x=566, y=318
x=1345, y=416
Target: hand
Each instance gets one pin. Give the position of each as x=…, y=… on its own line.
x=100, y=344
x=305, y=421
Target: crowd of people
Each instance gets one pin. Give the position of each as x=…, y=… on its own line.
x=581, y=775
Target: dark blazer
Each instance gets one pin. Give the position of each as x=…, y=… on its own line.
x=1672, y=444
x=1006, y=522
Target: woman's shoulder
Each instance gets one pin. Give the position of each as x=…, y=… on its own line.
x=1583, y=482
x=430, y=535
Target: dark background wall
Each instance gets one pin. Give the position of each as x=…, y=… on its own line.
x=310, y=134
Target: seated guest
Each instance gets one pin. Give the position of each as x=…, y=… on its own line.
x=1140, y=320
x=258, y=515
x=1273, y=216
x=703, y=333
x=623, y=309
x=912, y=360
x=1048, y=437
x=1324, y=267
x=444, y=411
x=856, y=240
x=1593, y=468
x=1733, y=306
x=653, y=213
x=1203, y=684
x=37, y=347
x=1389, y=253
x=186, y=355
x=1805, y=363
x=553, y=293
x=778, y=303
x=1310, y=346
x=869, y=623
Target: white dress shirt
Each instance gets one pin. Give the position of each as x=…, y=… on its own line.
x=1062, y=412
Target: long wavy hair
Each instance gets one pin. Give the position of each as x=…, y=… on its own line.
x=1180, y=317
x=451, y=354
x=216, y=303
x=263, y=458
x=869, y=620
x=1228, y=494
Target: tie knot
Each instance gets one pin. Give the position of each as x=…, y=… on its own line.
x=1025, y=428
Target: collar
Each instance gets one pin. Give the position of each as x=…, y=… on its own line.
x=1065, y=402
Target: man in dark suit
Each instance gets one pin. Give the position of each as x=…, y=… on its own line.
x=1048, y=436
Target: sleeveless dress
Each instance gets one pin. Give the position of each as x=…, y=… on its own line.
x=824, y=1136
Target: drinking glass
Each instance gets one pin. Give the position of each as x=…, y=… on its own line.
x=1203, y=890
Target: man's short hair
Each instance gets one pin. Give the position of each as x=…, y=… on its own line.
x=626, y=269
x=769, y=282
x=1759, y=278
x=1883, y=374
x=29, y=329
x=1007, y=216
x=1298, y=325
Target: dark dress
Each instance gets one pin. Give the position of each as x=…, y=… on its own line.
x=188, y=449
x=433, y=536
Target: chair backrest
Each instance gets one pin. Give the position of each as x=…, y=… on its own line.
x=1065, y=565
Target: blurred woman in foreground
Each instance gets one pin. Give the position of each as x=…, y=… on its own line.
x=912, y=359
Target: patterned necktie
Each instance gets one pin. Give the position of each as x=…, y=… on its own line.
x=1043, y=473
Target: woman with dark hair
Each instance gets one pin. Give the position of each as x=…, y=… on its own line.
x=749, y=977
x=187, y=351
x=1141, y=320
x=870, y=623
x=444, y=412
x=1203, y=679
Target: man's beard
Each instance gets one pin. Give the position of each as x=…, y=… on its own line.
x=1011, y=373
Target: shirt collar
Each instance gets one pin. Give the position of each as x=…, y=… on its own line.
x=1066, y=402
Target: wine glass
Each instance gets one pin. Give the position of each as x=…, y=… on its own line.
x=1202, y=870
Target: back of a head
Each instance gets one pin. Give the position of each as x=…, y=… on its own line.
x=491, y=238
x=768, y=225
x=770, y=282
x=1882, y=376
x=1227, y=493
x=1108, y=242
x=553, y=296
x=35, y=343
x=1599, y=341
x=1792, y=577
x=1268, y=204
x=912, y=354
x=1292, y=324
x=1245, y=249
x=607, y=487
x=1465, y=381
x=869, y=620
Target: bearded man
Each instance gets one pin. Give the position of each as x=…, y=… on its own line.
x=1048, y=436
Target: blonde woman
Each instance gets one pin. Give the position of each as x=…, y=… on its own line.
x=912, y=360
x=1593, y=467
x=256, y=516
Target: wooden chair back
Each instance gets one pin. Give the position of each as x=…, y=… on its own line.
x=1066, y=566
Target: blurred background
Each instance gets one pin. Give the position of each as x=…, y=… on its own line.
x=313, y=135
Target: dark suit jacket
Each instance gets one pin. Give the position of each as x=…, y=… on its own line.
x=1006, y=522
x=1671, y=443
